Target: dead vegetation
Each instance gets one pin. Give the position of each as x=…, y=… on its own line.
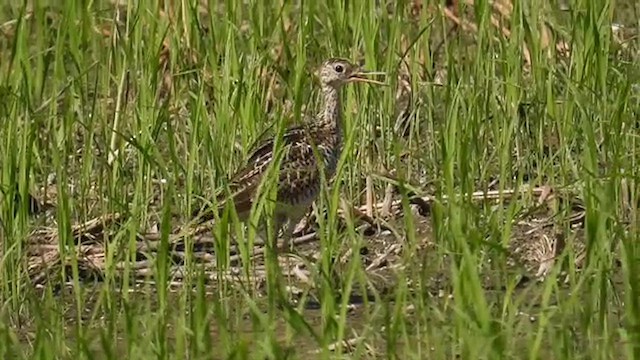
x=536, y=243
x=537, y=239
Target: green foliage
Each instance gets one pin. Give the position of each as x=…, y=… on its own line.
x=157, y=103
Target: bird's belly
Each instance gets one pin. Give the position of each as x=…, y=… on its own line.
x=331, y=162
x=299, y=203
x=306, y=197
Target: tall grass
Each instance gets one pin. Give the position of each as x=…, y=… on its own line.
x=145, y=109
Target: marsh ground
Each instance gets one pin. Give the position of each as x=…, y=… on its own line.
x=507, y=140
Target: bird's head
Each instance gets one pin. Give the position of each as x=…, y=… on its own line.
x=337, y=72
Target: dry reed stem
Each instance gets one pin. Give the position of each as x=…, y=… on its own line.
x=90, y=237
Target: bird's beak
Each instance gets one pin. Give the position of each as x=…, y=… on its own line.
x=362, y=76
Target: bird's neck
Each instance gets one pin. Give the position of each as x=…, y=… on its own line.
x=331, y=108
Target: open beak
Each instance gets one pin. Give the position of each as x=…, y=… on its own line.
x=362, y=76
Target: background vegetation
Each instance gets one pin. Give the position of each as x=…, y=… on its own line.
x=124, y=117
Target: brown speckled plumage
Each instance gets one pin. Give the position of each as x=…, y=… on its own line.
x=299, y=173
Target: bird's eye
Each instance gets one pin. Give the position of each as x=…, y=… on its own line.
x=339, y=68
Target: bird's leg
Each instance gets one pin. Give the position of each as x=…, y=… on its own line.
x=288, y=231
x=263, y=232
x=279, y=222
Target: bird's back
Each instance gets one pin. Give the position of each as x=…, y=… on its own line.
x=299, y=173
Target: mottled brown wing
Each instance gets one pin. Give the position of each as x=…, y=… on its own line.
x=299, y=175
x=261, y=157
x=243, y=184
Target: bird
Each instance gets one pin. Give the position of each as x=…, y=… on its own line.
x=299, y=179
